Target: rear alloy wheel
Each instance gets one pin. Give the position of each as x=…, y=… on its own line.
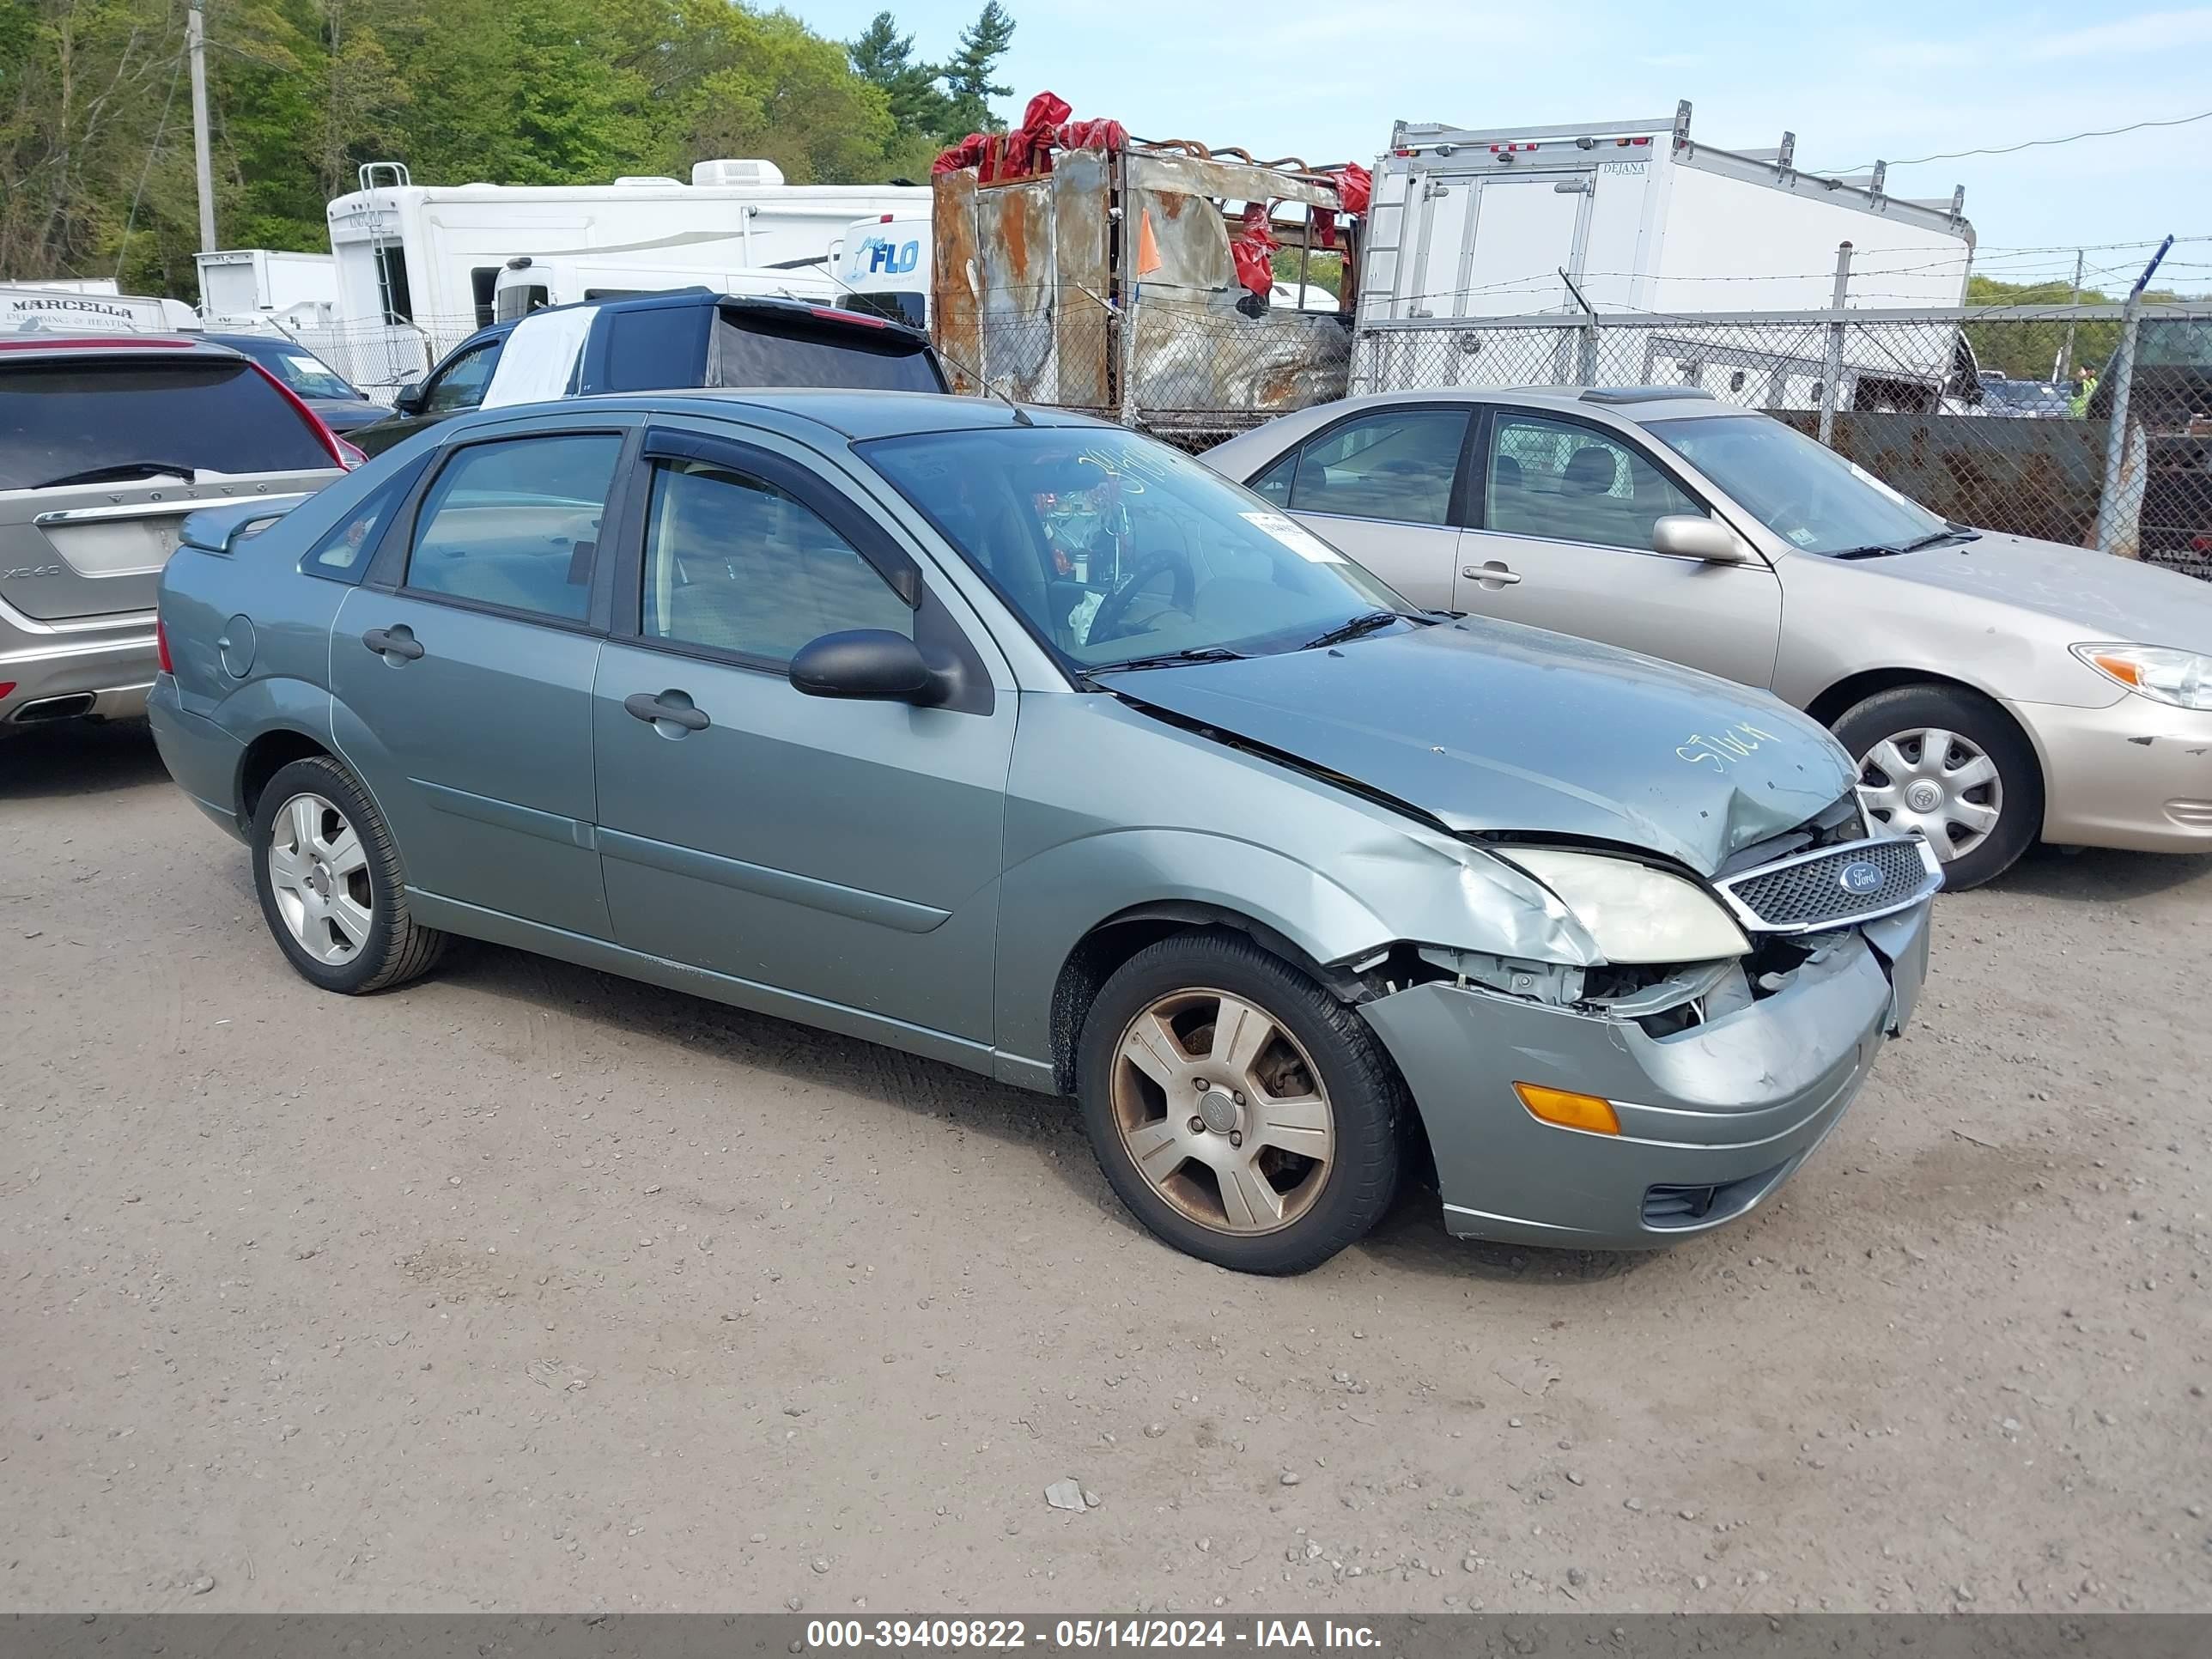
x=1950, y=766
x=1243, y=1114
x=330, y=884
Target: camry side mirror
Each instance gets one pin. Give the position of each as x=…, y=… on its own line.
x=1688, y=537
x=409, y=400
x=869, y=663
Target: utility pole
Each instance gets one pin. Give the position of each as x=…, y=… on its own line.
x=203, y=165
x=2066, y=356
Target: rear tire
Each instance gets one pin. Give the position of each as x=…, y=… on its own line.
x=1256, y=1127
x=1979, y=802
x=328, y=876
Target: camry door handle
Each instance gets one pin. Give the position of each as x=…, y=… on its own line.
x=390, y=642
x=646, y=706
x=1494, y=573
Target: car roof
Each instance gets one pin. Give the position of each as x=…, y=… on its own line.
x=36, y=343
x=854, y=414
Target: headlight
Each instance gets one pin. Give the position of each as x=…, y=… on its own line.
x=2160, y=672
x=1633, y=911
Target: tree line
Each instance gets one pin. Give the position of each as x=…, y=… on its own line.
x=95, y=127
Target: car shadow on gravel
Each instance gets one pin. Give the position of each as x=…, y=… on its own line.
x=75, y=758
x=1411, y=1237
x=2100, y=875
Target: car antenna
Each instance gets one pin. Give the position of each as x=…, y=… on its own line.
x=1021, y=416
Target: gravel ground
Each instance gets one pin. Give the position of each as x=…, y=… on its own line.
x=528, y=1289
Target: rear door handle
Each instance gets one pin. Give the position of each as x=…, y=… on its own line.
x=390, y=642
x=646, y=706
x=1493, y=573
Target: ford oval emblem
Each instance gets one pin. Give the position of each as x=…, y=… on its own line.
x=1859, y=878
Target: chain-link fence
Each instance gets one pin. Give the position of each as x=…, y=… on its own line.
x=381, y=357
x=2091, y=425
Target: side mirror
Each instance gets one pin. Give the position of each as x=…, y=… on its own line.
x=869, y=663
x=409, y=400
x=1688, y=537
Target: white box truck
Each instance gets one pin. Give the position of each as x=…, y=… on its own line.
x=1637, y=218
x=240, y=283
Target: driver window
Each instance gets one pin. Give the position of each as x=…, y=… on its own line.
x=1569, y=483
x=734, y=564
x=461, y=387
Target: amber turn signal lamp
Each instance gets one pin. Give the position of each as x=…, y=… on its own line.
x=1568, y=1109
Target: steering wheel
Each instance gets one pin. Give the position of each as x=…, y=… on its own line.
x=1112, y=610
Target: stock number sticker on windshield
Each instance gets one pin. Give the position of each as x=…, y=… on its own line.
x=1296, y=537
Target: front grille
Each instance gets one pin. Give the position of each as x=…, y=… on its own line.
x=1803, y=894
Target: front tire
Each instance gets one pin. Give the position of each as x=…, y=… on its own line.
x=1243, y=1114
x=1951, y=764
x=328, y=877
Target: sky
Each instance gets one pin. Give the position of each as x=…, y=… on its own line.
x=1324, y=80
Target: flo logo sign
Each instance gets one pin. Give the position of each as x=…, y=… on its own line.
x=880, y=256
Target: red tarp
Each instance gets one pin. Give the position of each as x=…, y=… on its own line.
x=1027, y=150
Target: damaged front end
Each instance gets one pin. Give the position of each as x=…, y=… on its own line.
x=1699, y=1084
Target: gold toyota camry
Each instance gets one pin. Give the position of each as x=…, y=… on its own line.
x=1995, y=691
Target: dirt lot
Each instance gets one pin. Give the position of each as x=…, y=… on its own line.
x=527, y=1289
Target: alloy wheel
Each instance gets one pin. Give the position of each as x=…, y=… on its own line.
x=1935, y=781
x=319, y=874
x=1222, y=1112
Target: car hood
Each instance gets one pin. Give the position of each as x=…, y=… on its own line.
x=2105, y=599
x=1493, y=728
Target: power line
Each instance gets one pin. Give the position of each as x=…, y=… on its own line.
x=2025, y=143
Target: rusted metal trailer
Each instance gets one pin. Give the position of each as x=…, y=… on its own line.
x=1130, y=277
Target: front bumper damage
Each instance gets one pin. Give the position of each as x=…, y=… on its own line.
x=1713, y=1119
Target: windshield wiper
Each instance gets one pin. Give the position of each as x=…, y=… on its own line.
x=1170, y=658
x=1955, y=533
x=120, y=471
x=1355, y=628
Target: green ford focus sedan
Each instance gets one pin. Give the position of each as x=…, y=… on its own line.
x=1022, y=742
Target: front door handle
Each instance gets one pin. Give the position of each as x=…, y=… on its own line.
x=1491, y=575
x=390, y=642
x=646, y=706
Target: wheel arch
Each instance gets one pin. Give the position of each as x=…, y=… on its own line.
x=267, y=754
x=1832, y=704
x=1101, y=952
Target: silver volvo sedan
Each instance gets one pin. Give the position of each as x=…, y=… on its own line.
x=1994, y=690
x=1027, y=744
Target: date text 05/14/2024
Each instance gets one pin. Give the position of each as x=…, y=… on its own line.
x=895, y=1635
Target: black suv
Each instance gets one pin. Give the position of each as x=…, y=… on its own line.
x=662, y=342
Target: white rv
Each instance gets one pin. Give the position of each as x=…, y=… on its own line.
x=882, y=265
x=531, y=281
x=419, y=265
x=1636, y=216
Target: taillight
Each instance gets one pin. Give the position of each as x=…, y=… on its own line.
x=336, y=447
x=162, y=646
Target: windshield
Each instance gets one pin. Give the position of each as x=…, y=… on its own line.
x=305, y=373
x=1807, y=494
x=1113, y=547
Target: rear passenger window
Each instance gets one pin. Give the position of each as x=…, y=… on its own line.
x=516, y=524
x=657, y=349
x=1397, y=465
x=734, y=564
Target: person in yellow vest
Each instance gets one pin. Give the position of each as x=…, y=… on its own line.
x=2085, y=387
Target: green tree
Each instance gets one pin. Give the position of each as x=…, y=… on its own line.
x=967, y=75
x=884, y=57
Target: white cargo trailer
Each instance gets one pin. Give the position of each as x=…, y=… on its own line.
x=245, y=283
x=1615, y=218
x=419, y=265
